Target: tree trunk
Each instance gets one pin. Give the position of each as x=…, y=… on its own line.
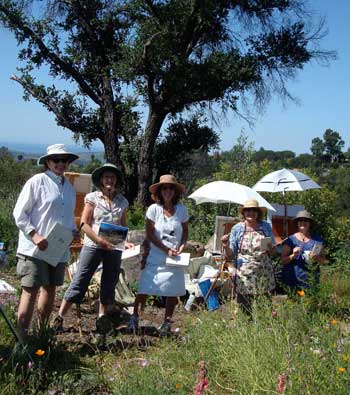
x=111, y=121
x=145, y=165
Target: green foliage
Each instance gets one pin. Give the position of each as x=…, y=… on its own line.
x=184, y=142
x=329, y=149
x=136, y=217
x=303, y=339
x=13, y=176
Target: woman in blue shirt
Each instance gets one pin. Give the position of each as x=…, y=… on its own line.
x=302, y=253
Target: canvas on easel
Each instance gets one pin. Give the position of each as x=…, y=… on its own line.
x=223, y=225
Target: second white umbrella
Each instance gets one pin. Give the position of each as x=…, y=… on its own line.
x=227, y=192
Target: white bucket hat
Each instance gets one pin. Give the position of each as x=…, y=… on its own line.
x=57, y=150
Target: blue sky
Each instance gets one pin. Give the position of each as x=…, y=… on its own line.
x=323, y=93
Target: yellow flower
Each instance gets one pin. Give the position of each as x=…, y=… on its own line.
x=301, y=293
x=346, y=358
x=334, y=322
x=177, y=386
x=341, y=370
x=39, y=352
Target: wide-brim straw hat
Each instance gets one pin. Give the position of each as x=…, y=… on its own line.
x=303, y=214
x=252, y=203
x=57, y=150
x=97, y=173
x=167, y=179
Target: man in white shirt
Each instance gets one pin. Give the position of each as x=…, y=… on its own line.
x=46, y=199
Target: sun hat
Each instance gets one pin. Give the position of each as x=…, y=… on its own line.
x=167, y=179
x=57, y=150
x=97, y=173
x=252, y=203
x=303, y=214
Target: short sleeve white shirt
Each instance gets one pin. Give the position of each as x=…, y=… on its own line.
x=103, y=212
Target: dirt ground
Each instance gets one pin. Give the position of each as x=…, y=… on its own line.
x=80, y=324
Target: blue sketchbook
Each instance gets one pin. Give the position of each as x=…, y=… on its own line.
x=115, y=234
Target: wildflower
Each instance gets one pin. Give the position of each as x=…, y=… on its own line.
x=282, y=383
x=341, y=370
x=144, y=363
x=117, y=365
x=346, y=358
x=301, y=293
x=334, y=322
x=111, y=378
x=39, y=352
x=316, y=351
x=175, y=330
x=30, y=365
x=274, y=313
x=177, y=386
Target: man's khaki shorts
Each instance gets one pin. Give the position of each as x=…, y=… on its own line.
x=37, y=273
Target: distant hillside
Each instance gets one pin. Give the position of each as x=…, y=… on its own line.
x=34, y=151
x=84, y=157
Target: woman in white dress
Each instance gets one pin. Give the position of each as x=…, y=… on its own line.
x=167, y=230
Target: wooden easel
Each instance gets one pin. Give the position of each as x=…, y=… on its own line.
x=222, y=272
x=76, y=247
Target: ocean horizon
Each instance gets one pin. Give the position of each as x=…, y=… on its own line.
x=40, y=148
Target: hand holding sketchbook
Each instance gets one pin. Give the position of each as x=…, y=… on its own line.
x=181, y=260
x=58, y=239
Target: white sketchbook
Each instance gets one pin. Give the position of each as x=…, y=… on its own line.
x=181, y=260
x=131, y=252
x=266, y=244
x=59, y=239
x=6, y=288
x=317, y=248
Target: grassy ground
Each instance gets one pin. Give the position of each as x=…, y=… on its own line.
x=296, y=346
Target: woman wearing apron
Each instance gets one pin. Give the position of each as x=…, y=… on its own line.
x=167, y=230
x=254, y=273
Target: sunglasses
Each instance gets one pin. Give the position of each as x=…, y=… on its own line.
x=251, y=209
x=168, y=187
x=303, y=220
x=58, y=160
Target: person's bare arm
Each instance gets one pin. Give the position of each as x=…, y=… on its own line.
x=225, y=240
x=184, y=237
x=321, y=259
x=288, y=255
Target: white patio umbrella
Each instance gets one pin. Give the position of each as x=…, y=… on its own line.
x=283, y=181
x=227, y=192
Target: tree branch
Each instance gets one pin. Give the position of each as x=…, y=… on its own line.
x=18, y=23
x=51, y=106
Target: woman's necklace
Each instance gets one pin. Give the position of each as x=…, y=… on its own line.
x=303, y=237
x=108, y=198
x=169, y=212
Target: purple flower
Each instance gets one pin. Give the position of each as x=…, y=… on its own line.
x=144, y=363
